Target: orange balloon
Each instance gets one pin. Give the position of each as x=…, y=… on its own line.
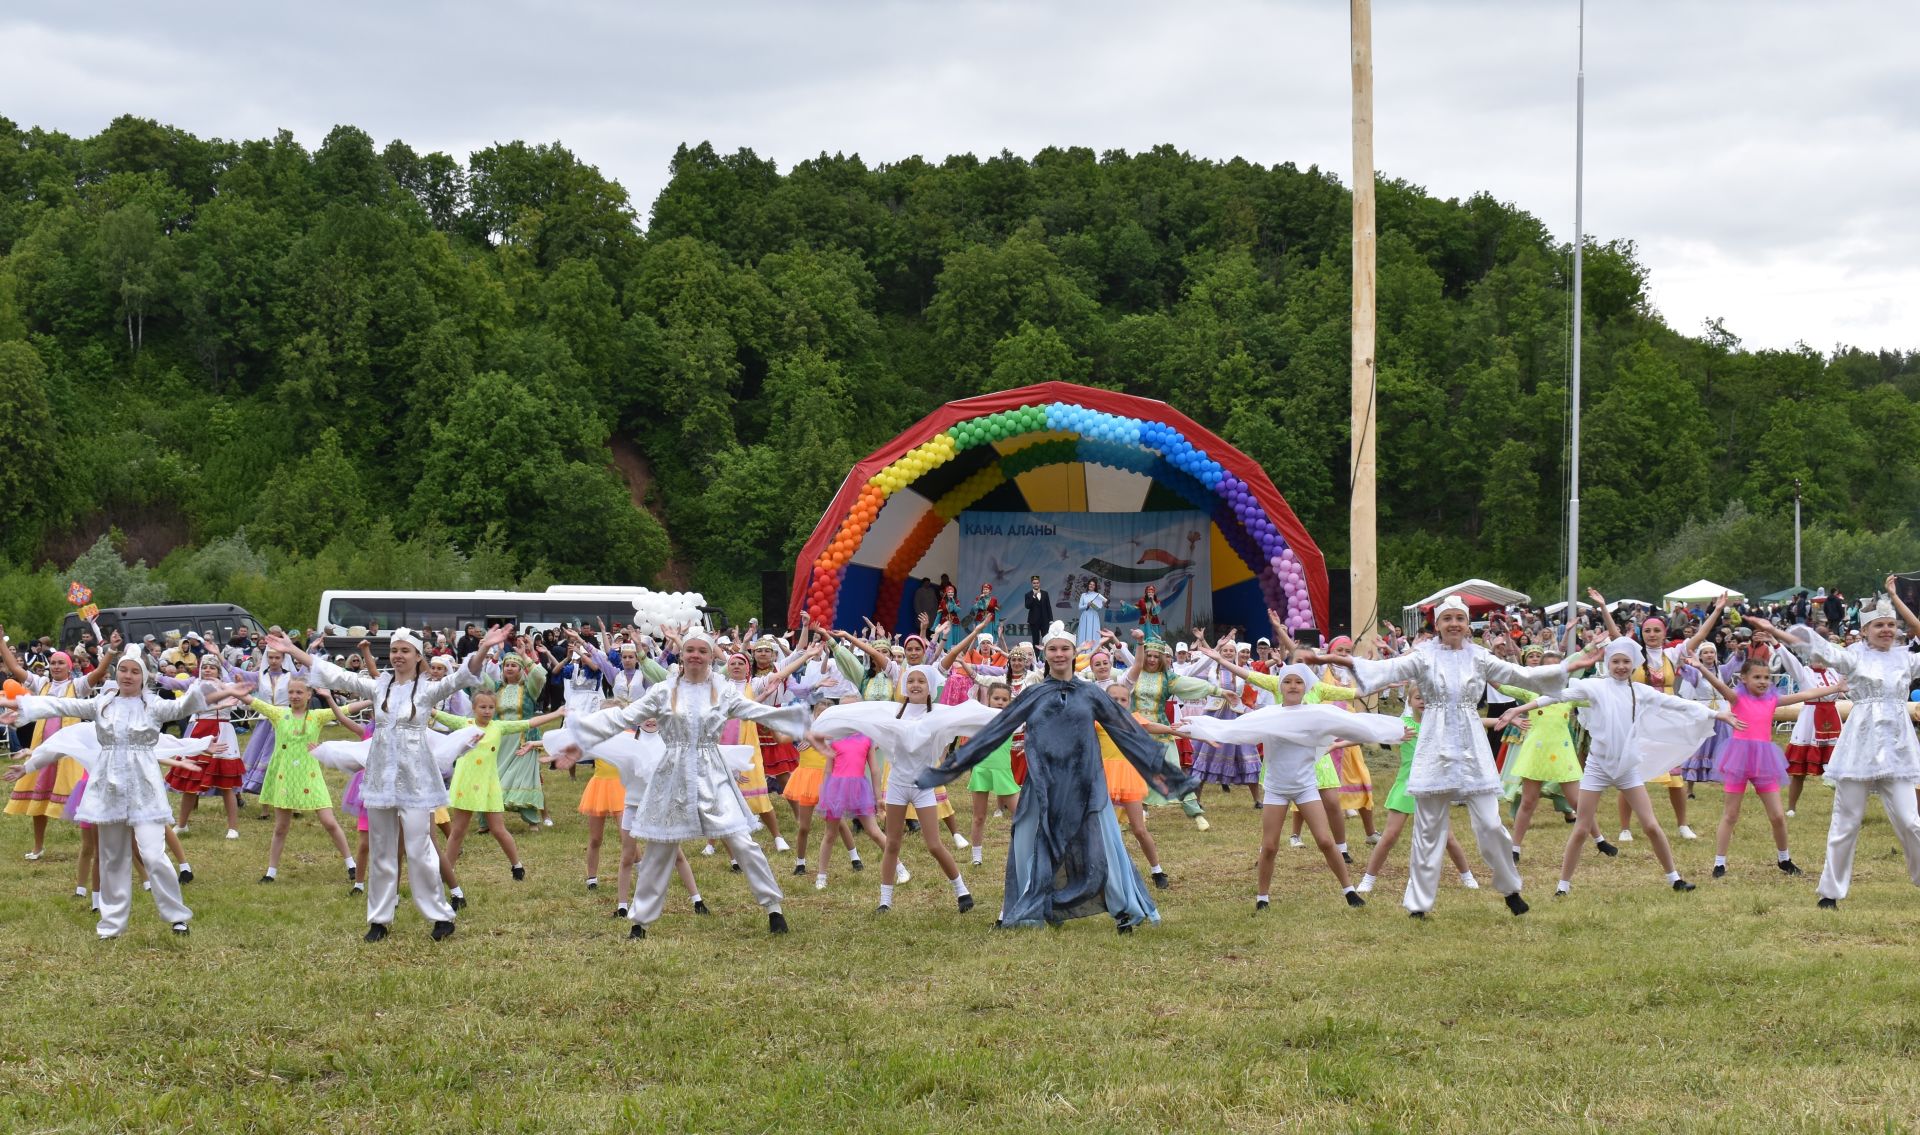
x=12, y=689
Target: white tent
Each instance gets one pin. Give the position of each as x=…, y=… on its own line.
x=1555, y=608
x=1619, y=603
x=1480, y=597
x=1699, y=591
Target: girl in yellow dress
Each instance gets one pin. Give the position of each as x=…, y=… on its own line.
x=1356, y=780
x=476, y=777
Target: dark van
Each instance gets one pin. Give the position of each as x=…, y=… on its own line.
x=214, y=621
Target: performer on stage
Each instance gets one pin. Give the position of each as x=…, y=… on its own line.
x=1093, y=606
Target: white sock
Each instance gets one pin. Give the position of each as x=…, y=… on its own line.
x=976, y=855
x=959, y=886
x=1599, y=839
x=1153, y=869
x=1369, y=879
x=1719, y=861
x=593, y=880
x=853, y=856
x=821, y=878
x=518, y=867
x=1261, y=898
x=351, y=865
x=695, y=896
x=1673, y=876
x=272, y=872
x=1467, y=877
x=1346, y=890
x=801, y=862
x=1341, y=848
x=184, y=866
x=457, y=893
x=1782, y=855
x=1564, y=887
x=886, y=894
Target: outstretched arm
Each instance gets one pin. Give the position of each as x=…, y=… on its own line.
x=1706, y=624
x=1900, y=605
x=1145, y=754
x=1606, y=616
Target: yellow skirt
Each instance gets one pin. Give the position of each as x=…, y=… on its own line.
x=803, y=784
x=753, y=785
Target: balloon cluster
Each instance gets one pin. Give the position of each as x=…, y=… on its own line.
x=1155, y=449
x=655, y=610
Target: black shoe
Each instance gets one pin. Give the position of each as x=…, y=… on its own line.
x=180, y=928
x=1259, y=905
x=1419, y=914
x=1354, y=899
x=1124, y=928
x=1606, y=848
x=266, y=878
x=442, y=931
x=636, y=933
x=457, y=902
x=1560, y=894
x=1517, y=905
x=884, y=908
x=1160, y=880
x=913, y=825
x=776, y=923
x=1567, y=816
x=1719, y=870
x=375, y=932
x=1346, y=858
x=1829, y=904
x=519, y=873
x=1682, y=885
x=186, y=874
x=593, y=884
x=999, y=924
x=799, y=868
x=859, y=865
x=1789, y=867
x=966, y=903
x=353, y=875
x=700, y=907
x=734, y=867
x=1516, y=855
x=619, y=912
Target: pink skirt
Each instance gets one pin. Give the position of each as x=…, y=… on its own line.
x=845, y=798
x=1758, y=761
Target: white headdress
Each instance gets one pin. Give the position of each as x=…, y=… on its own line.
x=695, y=635
x=1297, y=670
x=1058, y=631
x=402, y=634
x=1627, y=648
x=1452, y=603
x=1882, y=609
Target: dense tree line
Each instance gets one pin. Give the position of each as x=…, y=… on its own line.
x=244, y=345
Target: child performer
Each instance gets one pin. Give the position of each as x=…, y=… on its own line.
x=992, y=779
x=125, y=798
x=221, y=772
x=1294, y=735
x=402, y=786
x=1637, y=731
x=476, y=788
x=914, y=741
x=1750, y=756
x=1452, y=759
x=1400, y=806
x=292, y=781
x=846, y=801
x=1877, y=750
x=1546, y=761
x=1124, y=786
x=1815, y=730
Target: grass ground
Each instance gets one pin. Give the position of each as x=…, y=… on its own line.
x=1738, y=1008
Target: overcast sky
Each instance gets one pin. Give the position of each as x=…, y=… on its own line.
x=1765, y=156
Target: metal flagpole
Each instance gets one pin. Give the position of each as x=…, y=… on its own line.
x=1579, y=240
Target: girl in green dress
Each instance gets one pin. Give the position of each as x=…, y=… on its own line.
x=293, y=782
x=476, y=786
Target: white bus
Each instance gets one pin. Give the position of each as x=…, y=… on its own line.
x=358, y=613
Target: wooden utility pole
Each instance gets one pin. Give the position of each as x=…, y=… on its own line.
x=1364, y=556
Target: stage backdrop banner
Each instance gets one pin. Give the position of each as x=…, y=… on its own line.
x=1125, y=551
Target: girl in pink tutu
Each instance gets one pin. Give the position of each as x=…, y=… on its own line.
x=1751, y=757
x=846, y=802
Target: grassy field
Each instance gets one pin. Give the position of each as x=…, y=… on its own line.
x=1738, y=1008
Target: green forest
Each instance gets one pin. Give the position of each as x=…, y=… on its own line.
x=246, y=370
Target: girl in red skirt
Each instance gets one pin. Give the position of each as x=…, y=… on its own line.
x=223, y=768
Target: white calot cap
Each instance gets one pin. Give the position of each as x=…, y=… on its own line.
x=1627, y=648
x=1058, y=631
x=1452, y=603
x=1297, y=670
x=1882, y=609
x=401, y=635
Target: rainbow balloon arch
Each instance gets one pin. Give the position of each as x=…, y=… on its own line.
x=896, y=504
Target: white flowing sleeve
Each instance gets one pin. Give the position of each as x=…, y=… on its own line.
x=1309, y=726
x=35, y=708
x=1539, y=679
x=944, y=724
x=789, y=719
x=876, y=720
x=338, y=679
x=1375, y=674
x=597, y=727
x=1668, y=729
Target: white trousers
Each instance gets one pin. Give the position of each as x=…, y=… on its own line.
x=388, y=829
x=1430, y=823
x=1849, y=809
x=117, y=845
x=655, y=870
